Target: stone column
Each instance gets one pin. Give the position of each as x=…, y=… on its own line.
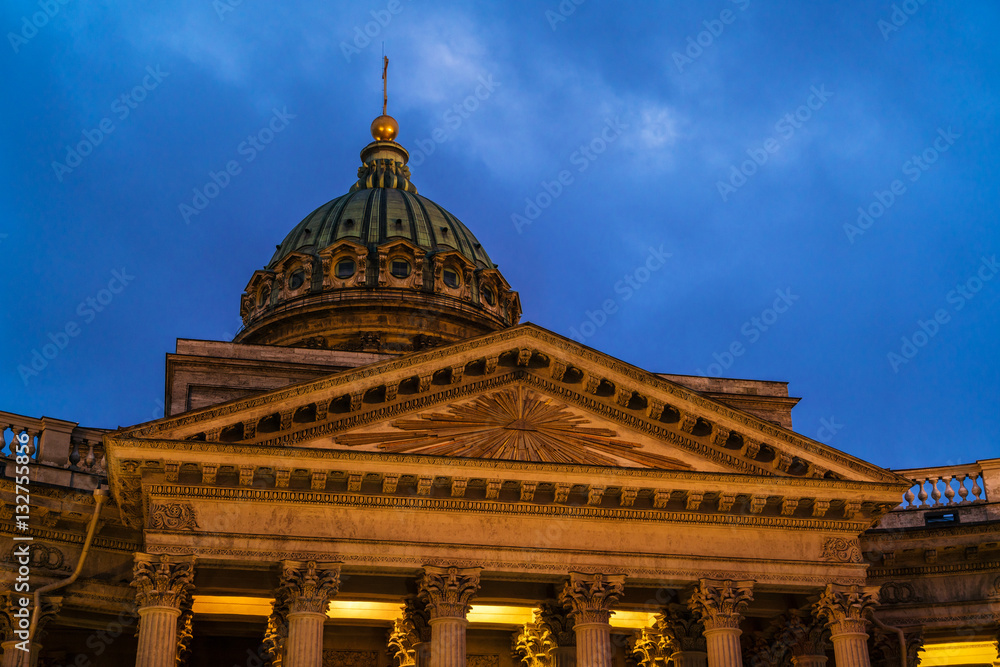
x=163, y=589
x=277, y=631
x=810, y=640
x=883, y=646
x=448, y=592
x=589, y=598
x=844, y=608
x=306, y=590
x=720, y=603
x=684, y=633
x=12, y=655
x=556, y=621
x=410, y=638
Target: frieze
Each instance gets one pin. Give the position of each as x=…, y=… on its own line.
x=501, y=507
x=172, y=516
x=841, y=550
x=414, y=361
x=41, y=556
x=499, y=569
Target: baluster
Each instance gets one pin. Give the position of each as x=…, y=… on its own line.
x=977, y=490
x=963, y=492
x=89, y=461
x=7, y=445
x=908, y=497
x=74, y=454
x=101, y=466
x=949, y=491
x=923, y=493
x=935, y=492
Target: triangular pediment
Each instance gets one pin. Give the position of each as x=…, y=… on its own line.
x=514, y=423
x=521, y=394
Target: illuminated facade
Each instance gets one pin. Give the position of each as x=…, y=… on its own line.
x=385, y=468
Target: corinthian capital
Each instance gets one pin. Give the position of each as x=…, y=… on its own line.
x=680, y=628
x=845, y=608
x=720, y=602
x=448, y=591
x=163, y=581
x=308, y=586
x=589, y=597
x=554, y=618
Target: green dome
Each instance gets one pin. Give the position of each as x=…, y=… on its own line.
x=374, y=216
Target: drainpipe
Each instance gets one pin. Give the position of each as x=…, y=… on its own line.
x=100, y=495
x=902, y=639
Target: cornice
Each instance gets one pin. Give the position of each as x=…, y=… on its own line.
x=547, y=344
x=892, y=573
x=192, y=493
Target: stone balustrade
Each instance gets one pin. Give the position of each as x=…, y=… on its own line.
x=54, y=442
x=946, y=486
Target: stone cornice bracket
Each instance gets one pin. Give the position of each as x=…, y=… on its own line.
x=163, y=580
x=448, y=591
x=846, y=608
x=308, y=586
x=589, y=597
x=720, y=602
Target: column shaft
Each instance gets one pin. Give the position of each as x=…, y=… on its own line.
x=690, y=659
x=564, y=656
x=304, y=646
x=724, y=647
x=593, y=644
x=12, y=655
x=157, y=637
x=850, y=649
x=448, y=642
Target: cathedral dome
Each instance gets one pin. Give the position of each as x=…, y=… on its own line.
x=378, y=269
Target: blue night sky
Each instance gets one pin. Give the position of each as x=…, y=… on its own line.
x=734, y=139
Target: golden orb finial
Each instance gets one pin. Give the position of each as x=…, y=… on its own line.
x=385, y=128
